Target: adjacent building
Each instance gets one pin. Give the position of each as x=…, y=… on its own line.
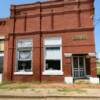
x=50, y=41
x=1, y=53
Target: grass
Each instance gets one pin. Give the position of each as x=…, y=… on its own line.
x=82, y=81
x=98, y=68
x=70, y=90
x=98, y=71
x=22, y=86
x=98, y=64
x=9, y=85
x=38, y=82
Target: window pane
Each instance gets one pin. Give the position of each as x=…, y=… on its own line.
x=52, y=41
x=53, y=53
x=24, y=66
x=76, y=73
x=81, y=62
x=24, y=55
x=75, y=62
x=52, y=64
x=82, y=73
x=24, y=43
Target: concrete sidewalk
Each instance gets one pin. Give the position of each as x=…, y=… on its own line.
x=50, y=92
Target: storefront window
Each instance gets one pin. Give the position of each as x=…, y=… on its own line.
x=24, y=55
x=52, y=56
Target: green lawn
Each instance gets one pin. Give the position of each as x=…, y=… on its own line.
x=98, y=68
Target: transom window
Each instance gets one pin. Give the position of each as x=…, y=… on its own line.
x=24, y=55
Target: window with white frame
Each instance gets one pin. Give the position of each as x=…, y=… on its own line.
x=52, y=55
x=24, y=55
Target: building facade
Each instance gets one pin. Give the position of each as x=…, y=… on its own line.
x=50, y=41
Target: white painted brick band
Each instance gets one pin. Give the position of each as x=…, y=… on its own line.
x=68, y=80
x=94, y=80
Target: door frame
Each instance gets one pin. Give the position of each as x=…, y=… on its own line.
x=78, y=66
x=2, y=63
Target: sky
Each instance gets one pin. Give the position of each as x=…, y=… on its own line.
x=5, y=12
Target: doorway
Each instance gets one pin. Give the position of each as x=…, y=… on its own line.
x=79, y=67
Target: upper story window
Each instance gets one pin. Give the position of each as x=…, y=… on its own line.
x=24, y=55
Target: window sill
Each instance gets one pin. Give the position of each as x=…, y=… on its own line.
x=23, y=73
x=52, y=72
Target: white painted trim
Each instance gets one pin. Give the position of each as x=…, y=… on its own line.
x=23, y=47
x=68, y=55
x=2, y=37
x=72, y=67
x=94, y=80
x=52, y=41
x=92, y=54
x=61, y=66
x=52, y=72
x=23, y=73
x=68, y=80
x=1, y=54
x=0, y=78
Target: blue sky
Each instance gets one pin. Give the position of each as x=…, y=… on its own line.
x=5, y=12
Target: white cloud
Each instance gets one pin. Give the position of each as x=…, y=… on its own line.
x=98, y=55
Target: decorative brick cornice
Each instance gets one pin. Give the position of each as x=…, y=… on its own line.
x=54, y=13
x=81, y=29
x=47, y=4
x=52, y=4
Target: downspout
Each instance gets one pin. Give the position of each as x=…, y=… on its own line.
x=40, y=42
x=13, y=43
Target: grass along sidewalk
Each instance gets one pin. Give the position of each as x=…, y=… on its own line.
x=40, y=89
x=32, y=85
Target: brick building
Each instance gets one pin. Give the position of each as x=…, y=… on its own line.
x=50, y=41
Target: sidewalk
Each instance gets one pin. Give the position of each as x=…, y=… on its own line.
x=50, y=92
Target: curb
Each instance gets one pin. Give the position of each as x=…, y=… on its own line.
x=49, y=96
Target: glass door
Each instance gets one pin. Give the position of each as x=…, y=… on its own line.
x=79, y=70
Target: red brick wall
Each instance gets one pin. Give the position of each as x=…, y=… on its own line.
x=5, y=26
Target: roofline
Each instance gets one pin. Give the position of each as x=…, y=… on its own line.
x=38, y=2
x=4, y=19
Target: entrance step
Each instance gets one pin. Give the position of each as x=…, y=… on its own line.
x=81, y=81
x=0, y=77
